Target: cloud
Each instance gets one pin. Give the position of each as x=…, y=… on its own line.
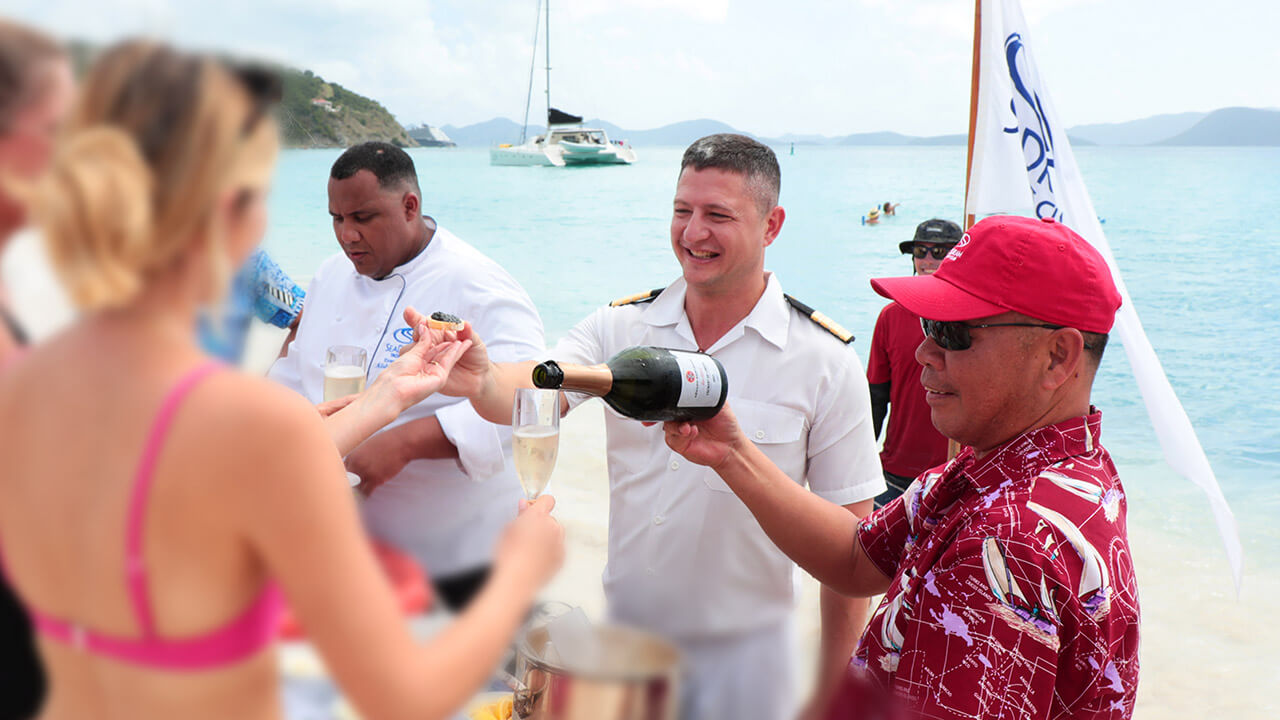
x=708, y=11
x=828, y=66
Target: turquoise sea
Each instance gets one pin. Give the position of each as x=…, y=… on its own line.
x=1192, y=229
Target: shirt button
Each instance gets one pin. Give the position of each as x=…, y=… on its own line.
x=675, y=464
x=759, y=434
x=658, y=519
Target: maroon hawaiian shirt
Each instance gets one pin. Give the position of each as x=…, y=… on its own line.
x=1013, y=592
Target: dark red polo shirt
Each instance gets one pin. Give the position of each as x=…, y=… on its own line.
x=911, y=444
x=1013, y=592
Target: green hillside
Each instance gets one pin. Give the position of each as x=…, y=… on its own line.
x=354, y=118
x=349, y=118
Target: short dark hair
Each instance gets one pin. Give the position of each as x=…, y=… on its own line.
x=740, y=154
x=392, y=166
x=1094, y=345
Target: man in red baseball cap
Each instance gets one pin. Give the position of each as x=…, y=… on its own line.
x=1008, y=583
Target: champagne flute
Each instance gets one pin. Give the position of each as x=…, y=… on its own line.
x=344, y=371
x=535, y=424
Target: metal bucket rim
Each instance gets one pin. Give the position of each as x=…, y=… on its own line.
x=526, y=651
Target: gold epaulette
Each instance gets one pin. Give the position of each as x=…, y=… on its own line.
x=821, y=320
x=643, y=297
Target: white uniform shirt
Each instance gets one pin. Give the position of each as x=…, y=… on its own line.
x=447, y=512
x=686, y=557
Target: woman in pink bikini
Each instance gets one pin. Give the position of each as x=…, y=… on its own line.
x=155, y=507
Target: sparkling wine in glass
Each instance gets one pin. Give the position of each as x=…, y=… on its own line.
x=344, y=371
x=535, y=424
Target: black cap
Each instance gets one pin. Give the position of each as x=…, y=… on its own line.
x=936, y=230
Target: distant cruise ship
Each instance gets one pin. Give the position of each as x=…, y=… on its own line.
x=431, y=136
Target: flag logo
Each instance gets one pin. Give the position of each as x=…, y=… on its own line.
x=1031, y=123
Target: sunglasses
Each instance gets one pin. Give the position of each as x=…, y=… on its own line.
x=954, y=335
x=937, y=251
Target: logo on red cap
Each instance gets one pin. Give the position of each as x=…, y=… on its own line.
x=958, y=250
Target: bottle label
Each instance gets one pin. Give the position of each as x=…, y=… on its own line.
x=699, y=380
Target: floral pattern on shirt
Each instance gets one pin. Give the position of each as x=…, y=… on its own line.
x=1013, y=592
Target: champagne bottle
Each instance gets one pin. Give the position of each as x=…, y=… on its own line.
x=646, y=383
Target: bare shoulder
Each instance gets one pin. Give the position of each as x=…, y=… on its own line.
x=250, y=402
x=251, y=426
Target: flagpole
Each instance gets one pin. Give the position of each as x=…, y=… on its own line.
x=973, y=106
x=953, y=447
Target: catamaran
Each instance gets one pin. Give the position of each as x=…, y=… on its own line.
x=567, y=141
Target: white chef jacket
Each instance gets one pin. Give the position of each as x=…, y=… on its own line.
x=686, y=557
x=446, y=512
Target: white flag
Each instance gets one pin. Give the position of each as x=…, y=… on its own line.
x=1023, y=165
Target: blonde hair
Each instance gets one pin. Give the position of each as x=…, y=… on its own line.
x=25, y=56
x=156, y=139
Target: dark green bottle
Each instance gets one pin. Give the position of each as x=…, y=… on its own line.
x=646, y=383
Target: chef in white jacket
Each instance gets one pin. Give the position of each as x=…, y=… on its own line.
x=439, y=480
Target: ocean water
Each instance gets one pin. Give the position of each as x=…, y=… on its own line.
x=1193, y=230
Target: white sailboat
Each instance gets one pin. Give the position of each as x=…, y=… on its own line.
x=566, y=142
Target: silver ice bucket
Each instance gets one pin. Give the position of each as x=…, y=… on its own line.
x=636, y=677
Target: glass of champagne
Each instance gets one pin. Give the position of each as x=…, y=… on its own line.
x=535, y=425
x=344, y=371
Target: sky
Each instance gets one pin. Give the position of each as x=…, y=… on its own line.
x=769, y=67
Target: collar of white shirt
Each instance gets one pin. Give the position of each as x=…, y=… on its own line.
x=770, y=318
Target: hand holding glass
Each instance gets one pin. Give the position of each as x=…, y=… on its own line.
x=535, y=424
x=344, y=371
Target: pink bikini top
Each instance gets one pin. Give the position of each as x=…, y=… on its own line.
x=252, y=630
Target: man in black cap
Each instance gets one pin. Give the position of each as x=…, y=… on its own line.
x=912, y=444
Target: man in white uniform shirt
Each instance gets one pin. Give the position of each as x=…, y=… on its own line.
x=439, y=480
x=686, y=559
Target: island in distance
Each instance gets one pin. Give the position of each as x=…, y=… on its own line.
x=1224, y=127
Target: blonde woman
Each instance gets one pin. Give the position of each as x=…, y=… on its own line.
x=153, y=505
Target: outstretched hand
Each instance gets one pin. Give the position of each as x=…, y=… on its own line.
x=471, y=370
x=423, y=367
x=707, y=442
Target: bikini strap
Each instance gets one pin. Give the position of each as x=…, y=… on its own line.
x=135, y=568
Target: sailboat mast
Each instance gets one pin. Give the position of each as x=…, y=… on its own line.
x=973, y=107
x=533, y=62
x=548, y=26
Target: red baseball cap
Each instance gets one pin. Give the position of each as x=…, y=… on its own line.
x=1039, y=268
